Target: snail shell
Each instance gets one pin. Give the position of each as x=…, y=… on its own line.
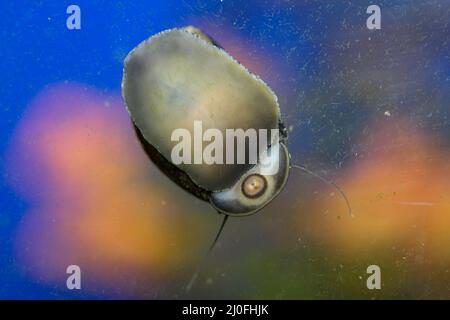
x=180, y=76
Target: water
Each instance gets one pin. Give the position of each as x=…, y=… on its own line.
x=368, y=109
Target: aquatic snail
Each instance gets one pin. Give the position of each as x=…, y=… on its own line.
x=180, y=76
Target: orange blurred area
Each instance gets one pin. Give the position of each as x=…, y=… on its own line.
x=95, y=200
x=399, y=189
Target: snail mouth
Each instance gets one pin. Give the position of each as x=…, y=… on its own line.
x=262, y=187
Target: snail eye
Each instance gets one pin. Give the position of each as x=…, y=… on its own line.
x=256, y=188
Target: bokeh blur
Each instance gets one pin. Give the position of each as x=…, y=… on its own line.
x=368, y=109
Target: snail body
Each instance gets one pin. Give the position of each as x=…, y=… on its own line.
x=180, y=78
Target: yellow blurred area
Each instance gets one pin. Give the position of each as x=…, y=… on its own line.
x=122, y=217
x=95, y=198
x=400, y=195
